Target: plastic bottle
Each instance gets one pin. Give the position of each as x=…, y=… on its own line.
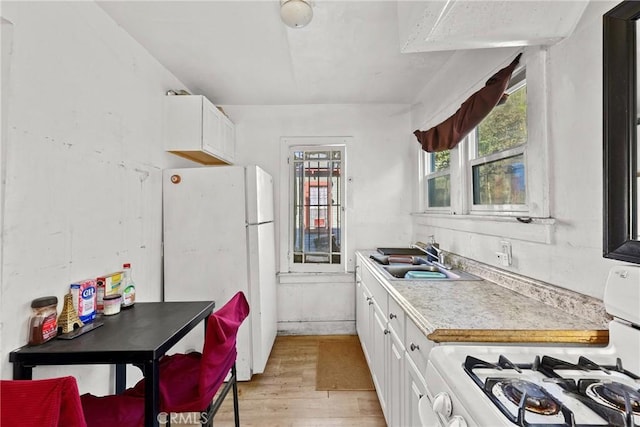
x=128, y=287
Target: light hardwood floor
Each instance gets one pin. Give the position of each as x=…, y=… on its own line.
x=285, y=394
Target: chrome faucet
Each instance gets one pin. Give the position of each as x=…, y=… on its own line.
x=435, y=255
x=435, y=252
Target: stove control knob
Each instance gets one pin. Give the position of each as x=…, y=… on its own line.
x=442, y=404
x=457, y=421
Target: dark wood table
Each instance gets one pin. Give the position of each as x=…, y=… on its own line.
x=139, y=335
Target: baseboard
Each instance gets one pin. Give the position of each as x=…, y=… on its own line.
x=346, y=327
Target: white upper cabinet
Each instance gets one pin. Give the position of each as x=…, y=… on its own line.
x=196, y=129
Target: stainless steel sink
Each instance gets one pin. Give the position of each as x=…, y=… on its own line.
x=397, y=271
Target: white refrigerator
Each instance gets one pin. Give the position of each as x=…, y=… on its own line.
x=219, y=238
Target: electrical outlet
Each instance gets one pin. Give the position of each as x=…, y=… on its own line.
x=503, y=259
x=506, y=250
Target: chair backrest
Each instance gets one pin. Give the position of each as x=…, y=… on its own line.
x=189, y=381
x=219, y=352
x=53, y=402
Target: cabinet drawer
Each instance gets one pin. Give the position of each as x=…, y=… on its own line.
x=417, y=345
x=396, y=318
x=378, y=292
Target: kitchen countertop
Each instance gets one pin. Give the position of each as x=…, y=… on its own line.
x=483, y=311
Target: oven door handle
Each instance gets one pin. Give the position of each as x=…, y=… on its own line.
x=428, y=418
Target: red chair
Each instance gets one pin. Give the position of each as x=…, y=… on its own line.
x=188, y=382
x=53, y=402
x=113, y=410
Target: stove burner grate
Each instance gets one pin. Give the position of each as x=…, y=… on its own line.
x=534, y=398
x=524, y=394
x=529, y=394
x=620, y=403
x=549, y=365
x=613, y=394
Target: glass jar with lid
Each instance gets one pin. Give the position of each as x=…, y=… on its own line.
x=43, y=323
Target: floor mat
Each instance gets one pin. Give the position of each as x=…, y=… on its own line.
x=341, y=365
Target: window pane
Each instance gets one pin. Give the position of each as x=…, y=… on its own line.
x=440, y=161
x=317, y=211
x=506, y=126
x=501, y=182
x=317, y=155
x=439, y=193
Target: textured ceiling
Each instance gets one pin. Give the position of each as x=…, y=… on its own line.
x=239, y=52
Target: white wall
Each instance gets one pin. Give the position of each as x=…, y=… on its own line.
x=6, y=41
x=83, y=160
x=573, y=259
x=380, y=172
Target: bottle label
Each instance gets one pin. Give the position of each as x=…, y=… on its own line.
x=49, y=327
x=128, y=296
x=100, y=297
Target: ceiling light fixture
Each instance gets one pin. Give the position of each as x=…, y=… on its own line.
x=296, y=13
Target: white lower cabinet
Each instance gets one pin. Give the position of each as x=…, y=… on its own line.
x=395, y=383
x=379, y=359
x=416, y=389
x=363, y=325
x=394, y=347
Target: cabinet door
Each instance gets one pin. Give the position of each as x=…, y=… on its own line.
x=363, y=326
x=228, y=139
x=378, y=353
x=415, y=389
x=211, y=129
x=395, y=376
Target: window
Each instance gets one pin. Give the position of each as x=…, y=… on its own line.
x=487, y=172
x=497, y=160
x=317, y=190
x=438, y=180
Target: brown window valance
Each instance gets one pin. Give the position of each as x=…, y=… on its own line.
x=449, y=133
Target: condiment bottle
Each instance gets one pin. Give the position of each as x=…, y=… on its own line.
x=128, y=287
x=100, y=287
x=43, y=323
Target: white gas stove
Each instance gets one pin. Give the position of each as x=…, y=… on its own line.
x=559, y=385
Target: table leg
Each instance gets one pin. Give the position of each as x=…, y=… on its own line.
x=21, y=372
x=151, y=372
x=206, y=322
x=121, y=377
